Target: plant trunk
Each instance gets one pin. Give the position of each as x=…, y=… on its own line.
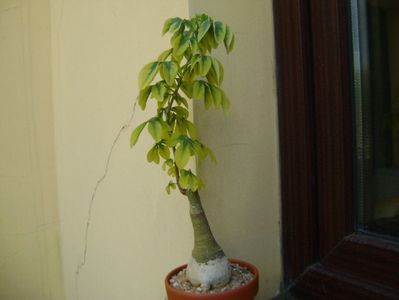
x=209, y=265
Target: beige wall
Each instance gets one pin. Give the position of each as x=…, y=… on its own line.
x=30, y=265
x=242, y=193
x=137, y=232
x=68, y=83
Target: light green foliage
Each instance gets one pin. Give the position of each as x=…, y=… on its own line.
x=136, y=133
x=169, y=71
x=147, y=74
x=155, y=129
x=186, y=71
x=219, y=31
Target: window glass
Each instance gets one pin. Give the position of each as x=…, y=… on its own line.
x=375, y=35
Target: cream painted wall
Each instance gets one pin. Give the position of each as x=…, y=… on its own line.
x=242, y=194
x=68, y=73
x=137, y=232
x=30, y=265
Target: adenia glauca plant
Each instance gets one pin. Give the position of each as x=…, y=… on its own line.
x=186, y=71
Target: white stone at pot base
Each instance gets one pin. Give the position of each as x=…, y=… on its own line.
x=214, y=273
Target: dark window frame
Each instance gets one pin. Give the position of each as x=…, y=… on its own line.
x=323, y=255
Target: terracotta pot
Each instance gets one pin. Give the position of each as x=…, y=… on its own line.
x=246, y=292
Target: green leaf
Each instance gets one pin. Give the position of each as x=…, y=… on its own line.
x=189, y=76
x=199, y=150
x=177, y=59
x=155, y=129
x=231, y=46
x=198, y=90
x=180, y=111
x=143, y=96
x=193, y=45
x=217, y=96
x=211, y=77
x=221, y=70
x=180, y=44
x=166, y=25
x=161, y=104
x=180, y=126
x=189, y=180
x=152, y=155
x=202, y=47
x=165, y=128
x=210, y=38
x=228, y=38
x=216, y=73
x=187, y=88
x=165, y=54
x=169, y=71
x=208, y=100
x=147, y=74
x=217, y=67
x=171, y=25
x=176, y=24
x=136, y=133
x=158, y=91
x=194, y=61
x=181, y=100
x=205, y=25
x=167, y=163
x=192, y=130
x=173, y=140
x=189, y=24
x=171, y=186
x=163, y=151
x=183, y=178
x=182, y=154
x=172, y=172
x=204, y=65
x=174, y=39
x=196, y=69
x=219, y=31
x=195, y=183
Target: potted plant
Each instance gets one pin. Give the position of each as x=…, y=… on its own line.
x=185, y=71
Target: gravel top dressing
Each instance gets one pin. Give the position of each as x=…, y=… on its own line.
x=239, y=277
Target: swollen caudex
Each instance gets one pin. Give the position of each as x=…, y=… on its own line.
x=213, y=273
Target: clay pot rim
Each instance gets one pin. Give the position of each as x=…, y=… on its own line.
x=242, y=263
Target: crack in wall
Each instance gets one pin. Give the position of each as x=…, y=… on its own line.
x=81, y=265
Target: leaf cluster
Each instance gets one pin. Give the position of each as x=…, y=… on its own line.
x=185, y=71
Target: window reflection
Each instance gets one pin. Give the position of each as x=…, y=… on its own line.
x=375, y=32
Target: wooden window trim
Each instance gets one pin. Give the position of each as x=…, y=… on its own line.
x=324, y=256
